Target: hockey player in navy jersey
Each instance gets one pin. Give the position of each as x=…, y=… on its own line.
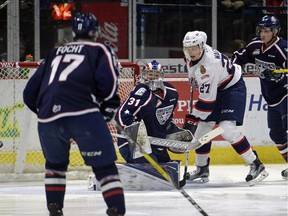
x=152, y=101
x=222, y=99
x=269, y=52
x=73, y=93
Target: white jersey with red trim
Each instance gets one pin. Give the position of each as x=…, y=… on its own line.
x=214, y=72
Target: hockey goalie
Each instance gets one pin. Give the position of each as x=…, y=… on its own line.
x=148, y=111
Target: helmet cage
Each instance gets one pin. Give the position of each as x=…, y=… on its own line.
x=153, y=75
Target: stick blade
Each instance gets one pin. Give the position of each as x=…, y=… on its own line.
x=212, y=134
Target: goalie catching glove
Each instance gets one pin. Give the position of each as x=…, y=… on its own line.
x=176, y=133
x=109, y=108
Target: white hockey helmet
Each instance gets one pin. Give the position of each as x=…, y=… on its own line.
x=193, y=38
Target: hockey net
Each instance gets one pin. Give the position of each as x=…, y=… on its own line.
x=20, y=151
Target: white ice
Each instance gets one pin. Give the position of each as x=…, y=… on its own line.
x=227, y=194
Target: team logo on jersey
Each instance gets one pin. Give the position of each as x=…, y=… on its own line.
x=261, y=66
x=163, y=114
x=202, y=69
x=227, y=111
x=256, y=52
x=140, y=91
x=204, y=76
x=56, y=108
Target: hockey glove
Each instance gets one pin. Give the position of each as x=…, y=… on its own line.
x=269, y=75
x=194, y=83
x=176, y=133
x=191, y=123
x=109, y=108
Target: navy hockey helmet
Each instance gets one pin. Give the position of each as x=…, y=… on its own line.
x=269, y=21
x=153, y=75
x=85, y=25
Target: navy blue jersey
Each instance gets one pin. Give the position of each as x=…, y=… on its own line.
x=272, y=57
x=72, y=80
x=156, y=111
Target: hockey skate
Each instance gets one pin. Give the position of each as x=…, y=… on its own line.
x=200, y=175
x=284, y=174
x=257, y=172
x=55, y=210
x=112, y=212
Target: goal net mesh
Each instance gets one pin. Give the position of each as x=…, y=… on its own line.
x=20, y=150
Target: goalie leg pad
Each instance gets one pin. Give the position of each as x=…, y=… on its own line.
x=143, y=176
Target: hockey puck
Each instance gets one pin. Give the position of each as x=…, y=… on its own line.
x=1, y=144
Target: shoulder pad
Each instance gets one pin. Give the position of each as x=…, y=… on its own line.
x=140, y=90
x=168, y=85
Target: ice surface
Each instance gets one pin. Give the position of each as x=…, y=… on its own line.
x=227, y=194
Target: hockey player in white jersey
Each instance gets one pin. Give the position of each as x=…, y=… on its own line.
x=222, y=100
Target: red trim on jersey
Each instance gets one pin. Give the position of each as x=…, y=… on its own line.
x=240, y=141
x=207, y=102
x=54, y=188
x=227, y=80
x=112, y=193
x=202, y=110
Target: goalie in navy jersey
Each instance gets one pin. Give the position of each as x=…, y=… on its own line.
x=73, y=93
x=152, y=102
x=269, y=52
x=222, y=100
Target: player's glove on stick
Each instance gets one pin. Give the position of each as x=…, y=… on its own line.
x=109, y=108
x=269, y=75
x=191, y=123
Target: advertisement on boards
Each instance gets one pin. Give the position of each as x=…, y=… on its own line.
x=113, y=20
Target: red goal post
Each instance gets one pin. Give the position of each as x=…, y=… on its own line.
x=21, y=151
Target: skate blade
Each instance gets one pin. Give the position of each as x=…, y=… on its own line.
x=199, y=180
x=259, y=178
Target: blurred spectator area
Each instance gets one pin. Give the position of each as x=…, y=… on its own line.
x=164, y=25
x=160, y=27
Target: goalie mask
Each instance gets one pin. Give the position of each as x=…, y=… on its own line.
x=191, y=42
x=85, y=26
x=153, y=75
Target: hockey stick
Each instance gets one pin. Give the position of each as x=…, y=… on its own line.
x=158, y=168
x=183, y=181
x=181, y=145
x=284, y=70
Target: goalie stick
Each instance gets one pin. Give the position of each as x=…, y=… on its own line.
x=181, y=144
x=159, y=168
